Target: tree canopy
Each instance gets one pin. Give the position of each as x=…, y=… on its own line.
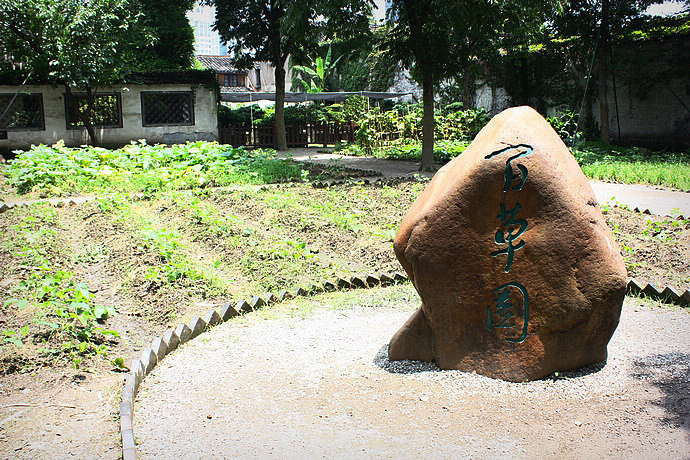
x=587, y=26
x=439, y=39
x=272, y=30
x=83, y=44
x=174, y=45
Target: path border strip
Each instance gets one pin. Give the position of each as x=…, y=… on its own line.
x=173, y=338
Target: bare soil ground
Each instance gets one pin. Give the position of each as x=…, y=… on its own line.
x=49, y=409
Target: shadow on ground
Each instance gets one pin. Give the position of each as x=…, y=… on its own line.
x=670, y=373
x=413, y=367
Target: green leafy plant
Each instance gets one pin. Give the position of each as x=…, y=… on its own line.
x=313, y=79
x=140, y=167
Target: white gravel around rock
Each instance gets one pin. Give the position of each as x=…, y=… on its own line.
x=322, y=387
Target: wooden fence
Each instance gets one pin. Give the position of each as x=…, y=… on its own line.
x=297, y=135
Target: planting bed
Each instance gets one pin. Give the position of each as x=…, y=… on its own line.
x=139, y=266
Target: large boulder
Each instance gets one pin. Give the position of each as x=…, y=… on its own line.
x=518, y=273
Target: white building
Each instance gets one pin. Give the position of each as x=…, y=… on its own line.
x=160, y=111
x=379, y=11
x=206, y=40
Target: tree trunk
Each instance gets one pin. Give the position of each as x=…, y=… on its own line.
x=84, y=117
x=281, y=140
x=428, y=125
x=603, y=73
x=467, y=87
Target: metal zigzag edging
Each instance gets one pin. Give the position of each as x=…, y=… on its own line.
x=162, y=346
x=173, y=338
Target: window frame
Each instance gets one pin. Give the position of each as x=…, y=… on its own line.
x=189, y=93
x=41, y=108
x=118, y=106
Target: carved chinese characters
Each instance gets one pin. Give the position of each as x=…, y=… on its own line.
x=518, y=274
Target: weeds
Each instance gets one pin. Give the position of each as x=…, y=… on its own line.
x=53, y=309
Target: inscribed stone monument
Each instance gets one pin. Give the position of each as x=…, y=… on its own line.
x=518, y=273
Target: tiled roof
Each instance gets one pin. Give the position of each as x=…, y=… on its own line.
x=186, y=77
x=219, y=64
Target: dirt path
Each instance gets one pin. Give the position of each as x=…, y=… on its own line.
x=322, y=387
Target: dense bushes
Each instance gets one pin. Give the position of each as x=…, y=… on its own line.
x=294, y=114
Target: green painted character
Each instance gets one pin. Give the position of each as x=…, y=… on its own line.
x=504, y=310
x=510, y=175
x=513, y=228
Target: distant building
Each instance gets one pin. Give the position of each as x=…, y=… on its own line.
x=160, y=107
x=379, y=11
x=206, y=40
x=230, y=79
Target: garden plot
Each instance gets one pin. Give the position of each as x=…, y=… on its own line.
x=85, y=287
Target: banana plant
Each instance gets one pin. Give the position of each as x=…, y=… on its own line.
x=316, y=74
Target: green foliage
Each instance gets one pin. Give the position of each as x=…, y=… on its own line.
x=461, y=125
x=453, y=107
x=438, y=40
x=82, y=44
x=354, y=107
x=241, y=116
x=258, y=31
x=404, y=123
x=175, y=265
x=174, y=45
x=631, y=166
x=140, y=167
x=354, y=76
x=61, y=308
x=313, y=79
x=565, y=125
x=294, y=114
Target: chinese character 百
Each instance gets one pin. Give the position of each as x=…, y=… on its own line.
x=510, y=175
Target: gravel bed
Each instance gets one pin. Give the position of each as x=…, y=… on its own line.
x=321, y=386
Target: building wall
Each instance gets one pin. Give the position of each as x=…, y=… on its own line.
x=205, y=119
x=268, y=76
x=403, y=83
x=206, y=40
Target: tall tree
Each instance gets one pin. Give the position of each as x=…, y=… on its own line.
x=438, y=39
x=80, y=44
x=273, y=30
x=174, y=45
x=589, y=24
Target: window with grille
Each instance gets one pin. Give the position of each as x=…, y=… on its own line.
x=26, y=112
x=106, y=112
x=167, y=108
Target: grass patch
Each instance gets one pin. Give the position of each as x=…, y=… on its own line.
x=667, y=170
